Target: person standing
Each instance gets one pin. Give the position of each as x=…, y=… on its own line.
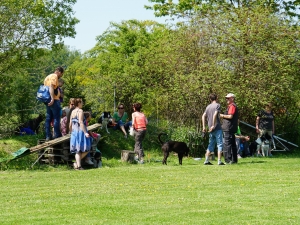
x=211, y=114
x=53, y=108
x=265, y=123
x=139, y=123
x=80, y=140
x=229, y=127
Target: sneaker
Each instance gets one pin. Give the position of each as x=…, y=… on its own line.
x=100, y=164
x=95, y=163
x=48, y=139
x=125, y=136
x=208, y=163
x=239, y=156
x=221, y=164
x=259, y=155
x=136, y=158
x=89, y=161
x=141, y=162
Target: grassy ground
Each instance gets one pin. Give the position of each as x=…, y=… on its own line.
x=255, y=191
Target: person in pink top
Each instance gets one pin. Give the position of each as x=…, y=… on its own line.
x=139, y=123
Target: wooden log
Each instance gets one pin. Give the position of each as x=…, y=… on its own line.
x=127, y=156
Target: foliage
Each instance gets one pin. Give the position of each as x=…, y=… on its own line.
x=183, y=8
x=117, y=61
x=27, y=25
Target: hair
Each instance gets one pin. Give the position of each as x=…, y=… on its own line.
x=213, y=97
x=121, y=104
x=137, y=106
x=60, y=69
x=60, y=80
x=71, y=100
x=77, y=101
x=87, y=115
x=68, y=120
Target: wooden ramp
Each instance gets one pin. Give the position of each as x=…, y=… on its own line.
x=59, y=140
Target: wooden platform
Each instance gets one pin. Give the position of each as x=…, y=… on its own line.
x=56, y=141
x=57, y=151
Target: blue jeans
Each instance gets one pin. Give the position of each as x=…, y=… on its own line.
x=121, y=123
x=53, y=113
x=215, y=136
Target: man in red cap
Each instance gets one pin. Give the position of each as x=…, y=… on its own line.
x=229, y=127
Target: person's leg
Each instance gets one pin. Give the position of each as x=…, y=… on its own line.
x=233, y=148
x=56, y=110
x=226, y=147
x=122, y=128
x=49, y=117
x=210, y=148
x=138, y=148
x=219, y=139
x=270, y=133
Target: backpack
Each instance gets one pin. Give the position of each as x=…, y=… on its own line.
x=43, y=94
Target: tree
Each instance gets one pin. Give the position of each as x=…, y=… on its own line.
x=26, y=26
x=189, y=7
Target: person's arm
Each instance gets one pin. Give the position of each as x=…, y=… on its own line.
x=203, y=122
x=70, y=123
x=214, y=121
x=51, y=91
x=82, y=126
x=231, y=111
x=113, y=121
x=256, y=124
x=133, y=119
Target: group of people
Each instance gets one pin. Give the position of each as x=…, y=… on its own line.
x=224, y=133
x=74, y=120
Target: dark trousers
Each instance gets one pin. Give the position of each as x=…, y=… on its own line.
x=229, y=147
x=138, y=147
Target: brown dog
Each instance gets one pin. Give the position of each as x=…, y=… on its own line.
x=173, y=146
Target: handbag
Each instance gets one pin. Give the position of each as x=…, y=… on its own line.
x=43, y=94
x=131, y=132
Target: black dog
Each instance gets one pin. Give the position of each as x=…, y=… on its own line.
x=173, y=146
x=32, y=124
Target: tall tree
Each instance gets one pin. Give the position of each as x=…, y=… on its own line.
x=28, y=25
x=182, y=8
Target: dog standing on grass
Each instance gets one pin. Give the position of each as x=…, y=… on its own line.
x=173, y=146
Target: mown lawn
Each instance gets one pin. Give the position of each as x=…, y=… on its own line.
x=255, y=191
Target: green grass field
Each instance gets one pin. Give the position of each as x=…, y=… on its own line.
x=254, y=191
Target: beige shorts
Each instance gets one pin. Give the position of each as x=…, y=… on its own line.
x=262, y=132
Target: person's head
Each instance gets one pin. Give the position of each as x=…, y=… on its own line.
x=87, y=116
x=59, y=71
x=213, y=97
x=137, y=107
x=230, y=98
x=72, y=103
x=268, y=106
x=78, y=102
x=64, y=113
x=121, y=107
x=60, y=82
